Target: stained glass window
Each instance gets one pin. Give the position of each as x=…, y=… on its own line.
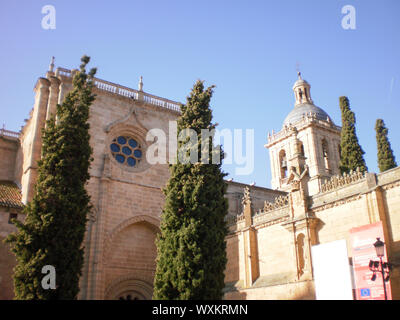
x=126, y=150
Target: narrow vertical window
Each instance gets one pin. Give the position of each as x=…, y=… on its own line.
x=325, y=154
x=301, y=148
x=283, y=163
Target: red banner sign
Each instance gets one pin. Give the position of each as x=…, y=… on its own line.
x=362, y=241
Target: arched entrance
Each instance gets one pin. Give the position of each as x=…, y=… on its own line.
x=130, y=289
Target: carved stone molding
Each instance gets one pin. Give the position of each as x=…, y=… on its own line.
x=336, y=203
x=391, y=185
x=128, y=283
x=301, y=223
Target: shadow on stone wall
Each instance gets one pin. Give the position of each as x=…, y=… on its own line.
x=7, y=263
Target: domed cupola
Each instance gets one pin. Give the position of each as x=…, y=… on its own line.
x=308, y=139
x=304, y=105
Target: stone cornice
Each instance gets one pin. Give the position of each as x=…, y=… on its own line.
x=336, y=203
x=391, y=185
x=301, y=125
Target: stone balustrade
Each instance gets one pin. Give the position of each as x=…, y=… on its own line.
x=127, y=92
x=8, y=133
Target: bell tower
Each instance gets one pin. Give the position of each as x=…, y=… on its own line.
x=309, y=138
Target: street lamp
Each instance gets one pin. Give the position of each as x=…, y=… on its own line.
x=379, y=266
x=379, y=247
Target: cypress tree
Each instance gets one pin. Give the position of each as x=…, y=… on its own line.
x=386, y=159
x=191, y=246
x=351, y=153
x=55, y=223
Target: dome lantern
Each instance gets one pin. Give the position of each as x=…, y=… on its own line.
x=301, y=90
x=304, y=105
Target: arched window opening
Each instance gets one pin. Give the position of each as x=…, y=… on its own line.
x=301, y=148
x=300, y=96
x=325, y=154
x=283, y=163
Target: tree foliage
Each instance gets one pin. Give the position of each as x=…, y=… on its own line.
x=54, y=228
x=386, y=159
x=191, y=247
x=351, y=153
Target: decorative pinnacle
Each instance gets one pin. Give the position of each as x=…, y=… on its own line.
x=141, y=84
x=51, y=66
x=246, y=196
x=299, y=75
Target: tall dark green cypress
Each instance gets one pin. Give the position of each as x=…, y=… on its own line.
x=386, y=159
x=55, y=223
x=191, y=247
x=351, y=153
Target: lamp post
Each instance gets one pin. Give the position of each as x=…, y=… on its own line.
x=380, y=266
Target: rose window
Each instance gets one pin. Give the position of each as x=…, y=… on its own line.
x=126, y=150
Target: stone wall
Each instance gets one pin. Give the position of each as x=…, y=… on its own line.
x=282, y=252
x=8, y=154
x=7, y=258
x=258, y=194
x=123, y=195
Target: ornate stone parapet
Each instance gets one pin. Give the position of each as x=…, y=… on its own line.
x=338, y=181
x=281, y=201
x=306, y=120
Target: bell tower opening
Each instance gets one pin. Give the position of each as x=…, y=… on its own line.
x=283, y=164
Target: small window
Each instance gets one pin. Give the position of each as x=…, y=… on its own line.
x=12, y=216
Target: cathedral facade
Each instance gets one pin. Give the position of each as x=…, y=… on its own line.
x=271, y=231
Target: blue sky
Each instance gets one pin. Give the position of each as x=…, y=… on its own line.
x=248, y=49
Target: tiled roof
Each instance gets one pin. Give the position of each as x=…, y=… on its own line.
x=10, y=195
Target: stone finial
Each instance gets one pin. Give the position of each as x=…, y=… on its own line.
x=51, y=66
x=141, y=84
